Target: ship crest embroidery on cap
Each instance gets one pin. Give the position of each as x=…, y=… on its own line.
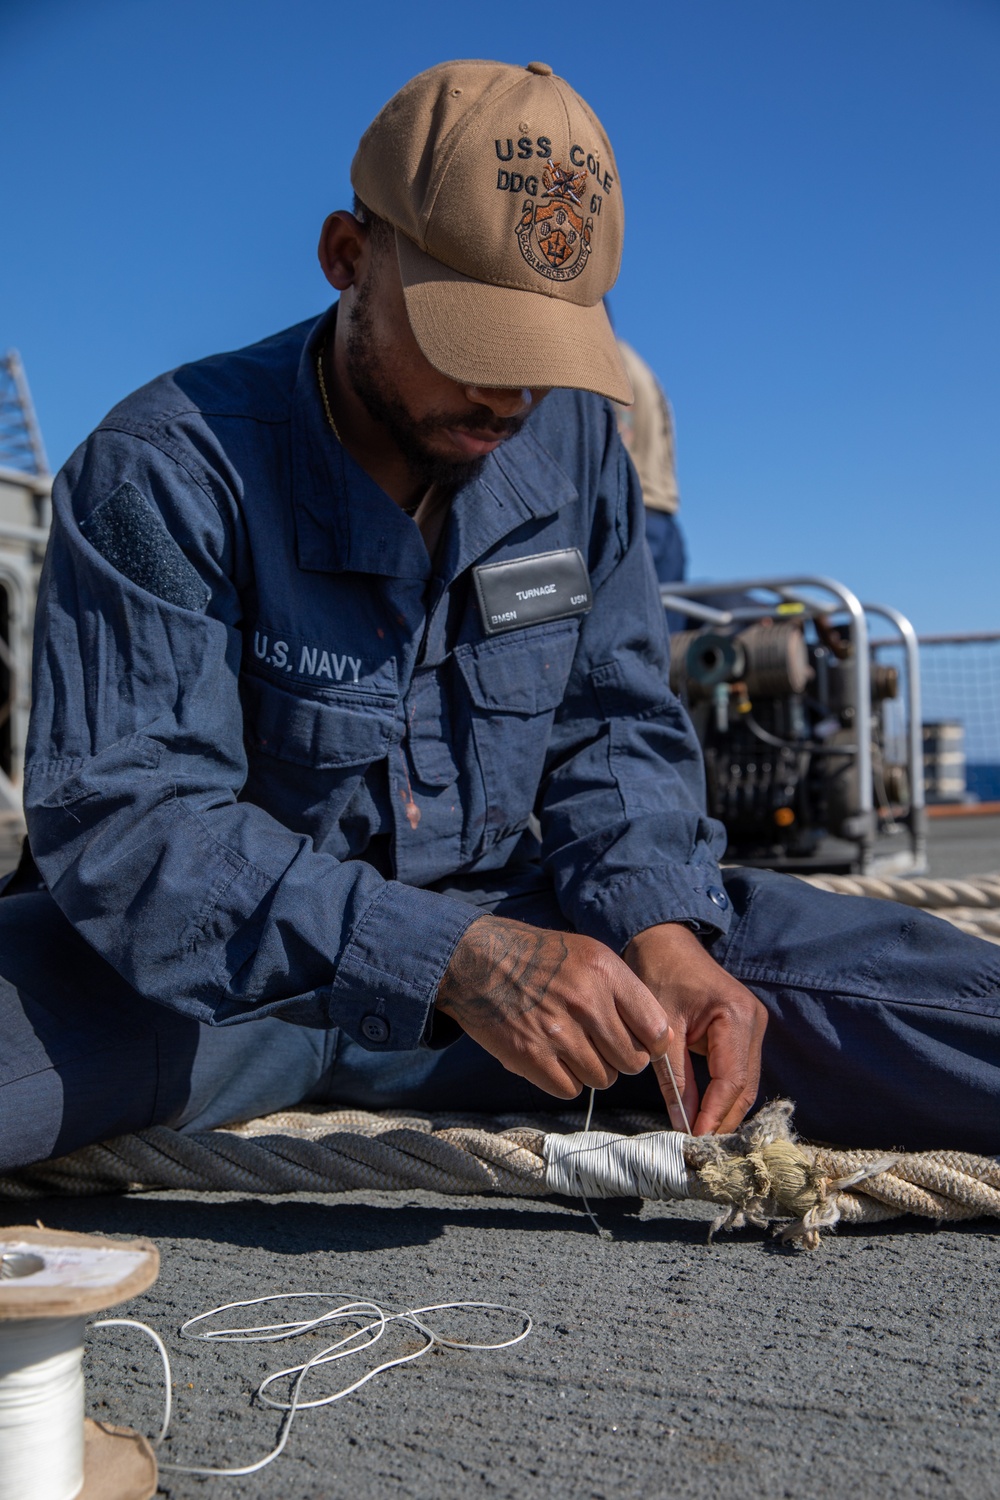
x=557, y=226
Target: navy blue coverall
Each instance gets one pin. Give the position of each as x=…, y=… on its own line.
x=277, y=765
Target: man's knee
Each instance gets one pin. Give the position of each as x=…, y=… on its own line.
x=786, y=931
x=79, y=1060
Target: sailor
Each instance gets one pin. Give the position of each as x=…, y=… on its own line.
x=354, y=774
x=647, y=430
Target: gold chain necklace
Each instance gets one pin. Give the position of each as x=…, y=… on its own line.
x=326, y=399
x=408, y=510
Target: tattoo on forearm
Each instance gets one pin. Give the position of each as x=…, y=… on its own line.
x=501, y=969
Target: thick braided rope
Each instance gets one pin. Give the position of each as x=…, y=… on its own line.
x=972, y=904
x=759, y=1174
x=300, y=1151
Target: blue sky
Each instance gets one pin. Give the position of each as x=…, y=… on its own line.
x=811, y=258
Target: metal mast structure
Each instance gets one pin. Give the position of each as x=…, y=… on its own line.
x=21, y=446
x=25, y=503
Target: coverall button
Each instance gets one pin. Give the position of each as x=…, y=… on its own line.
x=718, y=897
x=374, y=1029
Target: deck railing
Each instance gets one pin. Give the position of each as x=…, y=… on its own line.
x=960, y=684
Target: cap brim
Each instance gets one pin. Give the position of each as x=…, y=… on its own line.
x=480, y=334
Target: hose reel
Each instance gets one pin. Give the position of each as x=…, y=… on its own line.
x=771, y=659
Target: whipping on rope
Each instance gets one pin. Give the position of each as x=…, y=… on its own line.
x=596, y=1164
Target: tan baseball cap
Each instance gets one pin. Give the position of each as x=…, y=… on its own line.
x=503, y=191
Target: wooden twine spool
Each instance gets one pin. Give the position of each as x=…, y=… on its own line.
x=49, y=1283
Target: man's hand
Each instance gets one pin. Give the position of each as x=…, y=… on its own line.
x=561, y=1010
x=709, y=1012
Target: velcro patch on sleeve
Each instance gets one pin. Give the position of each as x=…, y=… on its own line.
x=128, y=533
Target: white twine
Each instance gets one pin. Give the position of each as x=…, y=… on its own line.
x=373, y=1323
x=41, y=1408
x=596, y=1164
x=164, y=1360
x=370, y=1332
x=42, y=1395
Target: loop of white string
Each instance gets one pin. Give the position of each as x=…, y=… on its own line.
x=164, y=1360
x=373, y=1323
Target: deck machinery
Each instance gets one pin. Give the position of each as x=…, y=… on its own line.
x=813, y=754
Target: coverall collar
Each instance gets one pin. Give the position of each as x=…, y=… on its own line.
x=344, y=522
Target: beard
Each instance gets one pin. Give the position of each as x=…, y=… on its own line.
x=411, y=435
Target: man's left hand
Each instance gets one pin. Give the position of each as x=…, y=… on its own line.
x=709, y=1012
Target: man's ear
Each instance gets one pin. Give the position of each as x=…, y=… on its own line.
x=343, y=241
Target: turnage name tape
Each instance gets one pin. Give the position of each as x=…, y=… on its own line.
x=532, y=590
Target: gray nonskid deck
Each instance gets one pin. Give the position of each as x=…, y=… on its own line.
x=659, y=1366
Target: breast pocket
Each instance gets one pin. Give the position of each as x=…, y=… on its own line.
x=514, y=684
x=326, y=734
x=307, y=757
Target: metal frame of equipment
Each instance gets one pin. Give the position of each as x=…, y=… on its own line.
x=871, y=856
